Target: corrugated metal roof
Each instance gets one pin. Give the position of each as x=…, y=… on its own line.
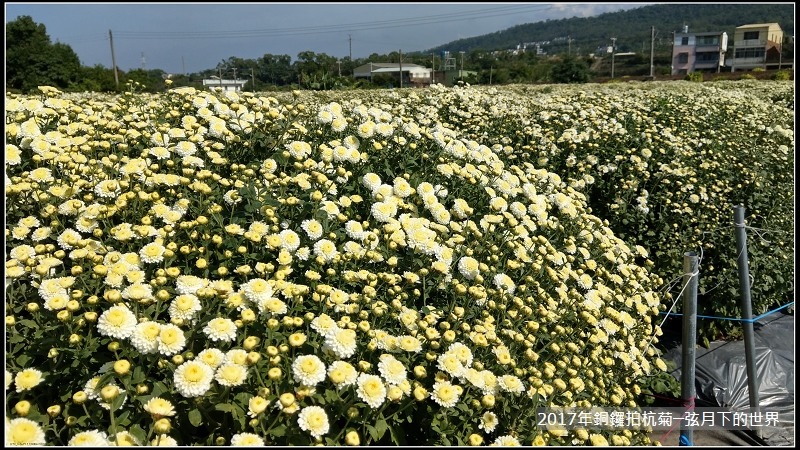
x=759, y=25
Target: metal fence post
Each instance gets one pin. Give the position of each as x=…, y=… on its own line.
x=747, y=308
x=689, y=338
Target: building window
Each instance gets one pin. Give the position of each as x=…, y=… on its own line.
x=685, y=40
x=707, y=40
x=683, y=58
x=749, y=53
x=707, y=57
x=750, y=35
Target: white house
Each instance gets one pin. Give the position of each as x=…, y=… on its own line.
x=413, y=74
x=226, y=85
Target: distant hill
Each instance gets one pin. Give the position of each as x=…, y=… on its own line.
x=631, y=28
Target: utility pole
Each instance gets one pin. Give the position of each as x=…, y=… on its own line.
x=350, y=38
x=613, y=50
x=220, y=77
x=491, y=69
x=462, y=64
x=142, y=60
x=569, y=45
x=253, y=74
x=339, y=63
x=401, y=68
x=234, y=74
x=183, y=64
x=652, y=47
x=433, y=67
x=113, y=61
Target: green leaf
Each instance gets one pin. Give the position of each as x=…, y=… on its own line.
x=223, y=407
x=195, y=418
x=381, y=426
x=138, y=375
x=137, y=432
x=278, y=431
x=372, y=432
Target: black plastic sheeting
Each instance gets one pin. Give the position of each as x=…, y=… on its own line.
x=721, y=374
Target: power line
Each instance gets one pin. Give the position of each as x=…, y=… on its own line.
x=372, y=25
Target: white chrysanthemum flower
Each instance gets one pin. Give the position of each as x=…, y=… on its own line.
x=299, y=149
x=56, y=302
x=325, y=249
x=312, y=228
x=445, y=394
x=214, y=357
x=91, y=438
x=371, y=181
x=504, y=283
x=184, y=307
x=384, y=211
x=461, y=351
x=145, y=337
x=290, y=241
x=273, y=306
x=190, y=284
x=230, y=374
x=28, y=379
x=409, y=343
x=117, y=322
x=163, y=440
x=247, y=440
x=342, y=374
x=158, y=408
x=506, y=441
x=68, y=239
x=511, y=383
x=449, y=363
x=220, y=329
x=22, y=431
x=308, y=370
x=314, y=420
x=171, y=340
x=256, y=405
x=392, y=370
x=236, y=356
x=152, y=253
x=124, y=439
x=257, y=290
x=488, y=422
x=371, y=390
x=324, y=324
x=138, y=292
x=342, y=342
x=193, y=378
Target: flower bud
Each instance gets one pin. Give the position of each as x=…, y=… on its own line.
x=23, y=408
x=162, y=426
x=351, y=438
x=54, y=411
x=109, y=393
x=142, y=389
x=79, y=397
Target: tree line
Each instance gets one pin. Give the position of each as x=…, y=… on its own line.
x=32, y=60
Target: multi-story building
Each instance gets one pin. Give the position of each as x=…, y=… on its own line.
x=756, y=45
x=698, y=52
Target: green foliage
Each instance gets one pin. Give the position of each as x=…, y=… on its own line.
x=695, y=77
x=570, y=70
x=32, y=60
x=782, y=75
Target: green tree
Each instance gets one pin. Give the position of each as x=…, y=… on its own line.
x=570, y=70
x=32, y=60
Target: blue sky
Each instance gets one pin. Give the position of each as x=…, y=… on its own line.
x=190, y=37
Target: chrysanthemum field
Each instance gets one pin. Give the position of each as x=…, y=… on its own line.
x=410, y=267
